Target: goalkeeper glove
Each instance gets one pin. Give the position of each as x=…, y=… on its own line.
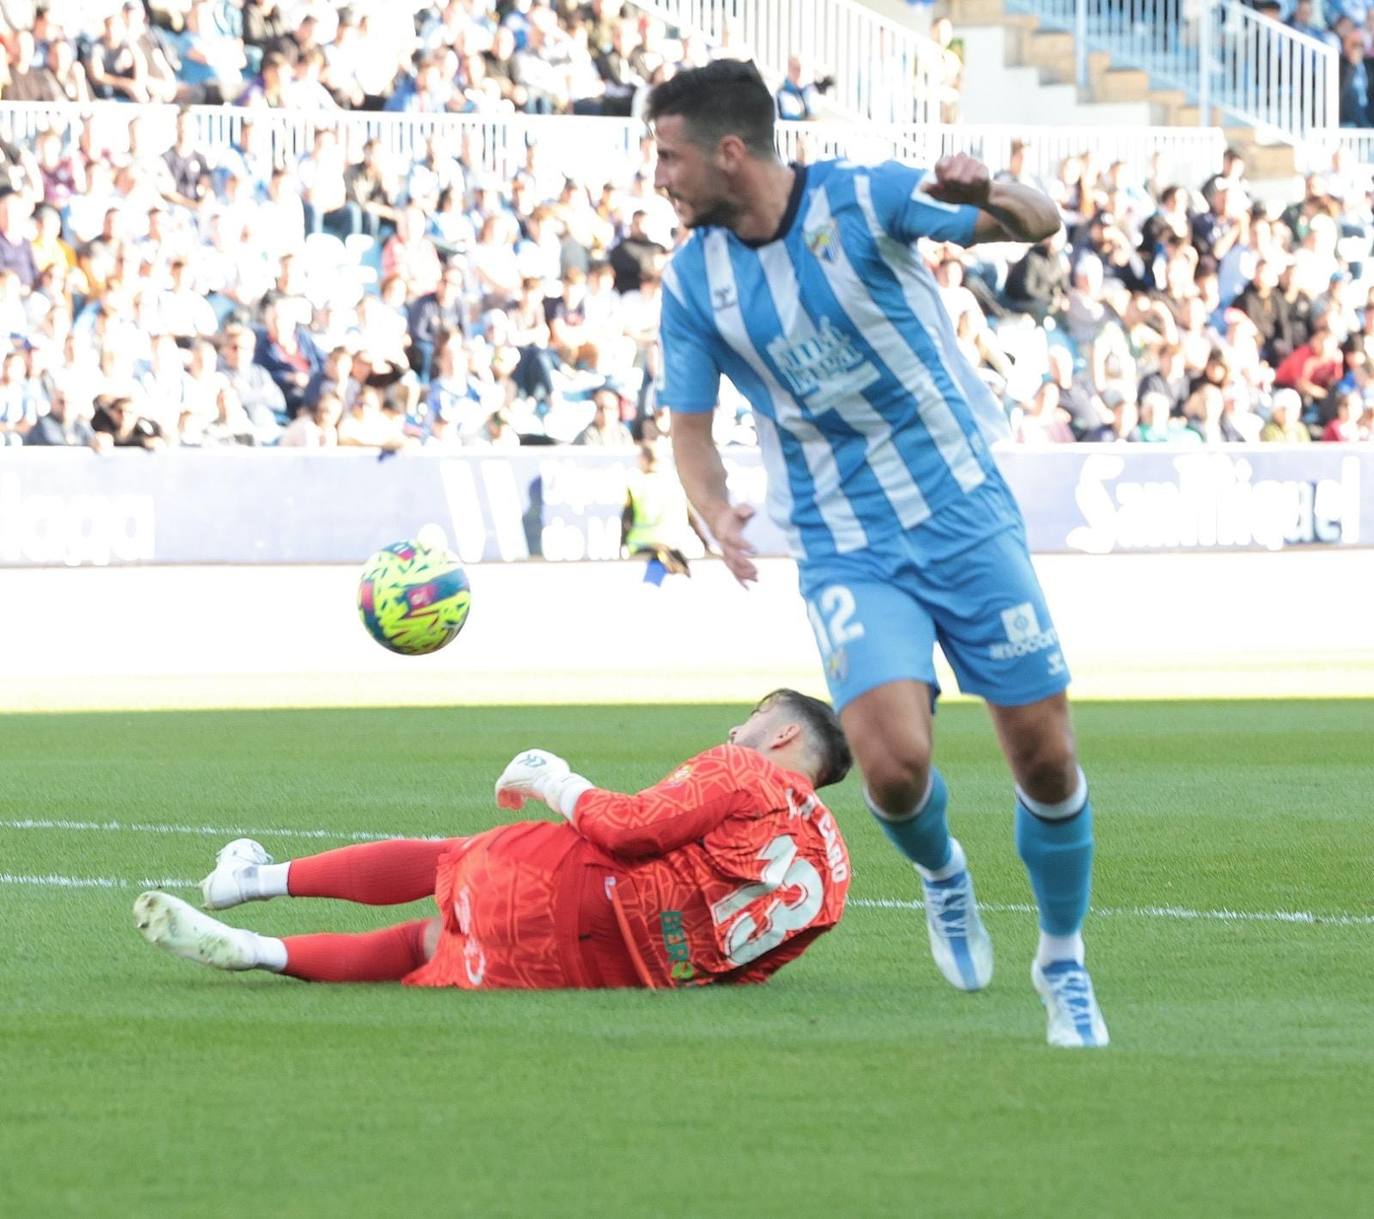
x=540, y=775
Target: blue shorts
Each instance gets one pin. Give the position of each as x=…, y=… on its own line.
x=877, y=617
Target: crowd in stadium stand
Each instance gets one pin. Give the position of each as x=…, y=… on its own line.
x=173, y=292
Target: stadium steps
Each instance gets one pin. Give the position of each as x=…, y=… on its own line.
x=1042, y=62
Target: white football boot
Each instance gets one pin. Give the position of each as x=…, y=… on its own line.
x=1075, y=1020
x=236, y=863
x=178, y=927
x=959, y=942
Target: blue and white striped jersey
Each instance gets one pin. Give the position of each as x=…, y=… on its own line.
x=870, y=420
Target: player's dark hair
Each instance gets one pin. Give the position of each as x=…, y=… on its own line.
x=723, y=98
x=822, y=727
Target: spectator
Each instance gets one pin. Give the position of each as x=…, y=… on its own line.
x=212, y=64
x=61, y=426
x=324, y=194
x=1354, y=83
x=260, y=396
x=365, y=424
x=606, y=430
x=497, y=433
x=1341, y=426
x=436, y=313
x=798, y=98
x=286, y=350
x=61, y=78
x=118, y=419
x=317, y=426
x=634, y=254
x=371, y=193
x=1038, y=282
x=411, y=254
x=1312, y=369
x=1285, y=420
x=16, y=249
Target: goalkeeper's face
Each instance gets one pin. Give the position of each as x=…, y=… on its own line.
x=768, y=727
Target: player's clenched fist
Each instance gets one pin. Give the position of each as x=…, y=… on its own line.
x=958, y=179
x=540, y=775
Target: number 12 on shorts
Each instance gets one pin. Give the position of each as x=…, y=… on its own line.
x=832, y=619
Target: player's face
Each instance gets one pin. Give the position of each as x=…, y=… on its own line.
x=759, y=729
x=686, y=173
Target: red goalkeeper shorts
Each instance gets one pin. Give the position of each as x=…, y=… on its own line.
x=526, y=906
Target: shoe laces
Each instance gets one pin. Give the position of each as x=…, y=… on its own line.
x=949, y=906
x=1074, y=990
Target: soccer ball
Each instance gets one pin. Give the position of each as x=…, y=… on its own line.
x=414, y=596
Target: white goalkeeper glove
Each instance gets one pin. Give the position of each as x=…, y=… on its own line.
x=540, y=775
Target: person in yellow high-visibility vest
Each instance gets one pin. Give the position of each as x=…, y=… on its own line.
x=656, y=520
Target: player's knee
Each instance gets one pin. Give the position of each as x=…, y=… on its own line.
x=898, y=774
x=1049, y=772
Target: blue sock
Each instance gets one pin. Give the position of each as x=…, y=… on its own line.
x=923, y=837
x=654, y=571
x=1058, y=854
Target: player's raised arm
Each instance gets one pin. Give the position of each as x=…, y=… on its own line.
x=687, y=805
x=1008, y=211
x=702, y=474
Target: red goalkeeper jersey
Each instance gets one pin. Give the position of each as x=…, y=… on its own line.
x=728, y=868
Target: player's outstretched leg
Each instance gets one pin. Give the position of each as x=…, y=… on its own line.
x=177, y=927
x=1055, y=840
x=372, y=873
x=889, y=731
x=386, y=955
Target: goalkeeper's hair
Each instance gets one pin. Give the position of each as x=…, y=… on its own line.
x=726, y=97
x=824, y=736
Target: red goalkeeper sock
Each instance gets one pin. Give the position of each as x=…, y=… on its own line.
x=375, y=956
x=371, y=873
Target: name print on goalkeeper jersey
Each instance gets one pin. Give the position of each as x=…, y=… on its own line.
x=730, y=867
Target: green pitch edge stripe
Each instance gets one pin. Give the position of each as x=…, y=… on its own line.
x=52, y=880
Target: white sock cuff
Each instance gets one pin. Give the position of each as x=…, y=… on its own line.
x=958, y=861
x=873, y=808
x=272, y=879
x=1065, y=808
x=269, y=951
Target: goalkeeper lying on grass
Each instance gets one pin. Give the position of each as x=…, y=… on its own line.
x=723, y=872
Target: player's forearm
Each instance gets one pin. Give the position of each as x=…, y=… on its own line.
x=700, y=469
x=1023, y=212
x=651, y=822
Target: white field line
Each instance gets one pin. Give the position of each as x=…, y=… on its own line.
x=56, y=881
x=1178, y=913
x=204, y=831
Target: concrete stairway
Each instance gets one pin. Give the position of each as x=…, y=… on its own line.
x=1017, y=72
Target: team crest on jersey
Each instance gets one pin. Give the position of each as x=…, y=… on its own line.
x=823, y=242
x=679, y=776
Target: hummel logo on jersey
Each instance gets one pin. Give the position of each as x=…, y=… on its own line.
x=724, y=297
x=1022, y=626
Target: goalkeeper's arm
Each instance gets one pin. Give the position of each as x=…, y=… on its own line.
x=653, y=822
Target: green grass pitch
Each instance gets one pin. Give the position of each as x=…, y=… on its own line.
x=1240, y=1080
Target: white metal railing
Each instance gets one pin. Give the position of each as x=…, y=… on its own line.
x=1223, y=55
x=1358, y=141
x=1166, y=153
x=605, y=149
x=884, y=72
